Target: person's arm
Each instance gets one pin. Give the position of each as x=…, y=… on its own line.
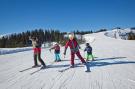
x=66, y=46
x=33, y=43
x=52, y=48
x=85, y=49
x=91, y=48
x=78, y=45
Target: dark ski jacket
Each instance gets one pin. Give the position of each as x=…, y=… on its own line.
x=39, y=43
x=88, y=49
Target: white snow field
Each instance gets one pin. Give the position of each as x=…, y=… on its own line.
x=113, y=68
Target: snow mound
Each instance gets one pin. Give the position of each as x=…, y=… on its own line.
x=120, y=33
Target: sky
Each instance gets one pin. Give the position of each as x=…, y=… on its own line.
x=65, y=15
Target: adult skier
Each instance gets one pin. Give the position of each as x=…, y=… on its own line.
x=37, y=51
x=74, y=47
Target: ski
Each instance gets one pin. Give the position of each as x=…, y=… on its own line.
x=85, y=65
x=48, y=66
x=29, y=68
x=63, y=70
x=67, y=68
x=36, y=71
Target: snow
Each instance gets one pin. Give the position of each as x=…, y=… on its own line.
x=119, y=33
x=113, y=68
x=89, y=38
x=21, y=49
x=13, y=50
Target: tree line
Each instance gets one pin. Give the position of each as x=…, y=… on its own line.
x=131, y=36
x=22, y=39
x=45, y=35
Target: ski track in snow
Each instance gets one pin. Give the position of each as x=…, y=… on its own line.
x=112, y=69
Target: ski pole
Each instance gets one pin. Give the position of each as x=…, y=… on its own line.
x=84, y=54
x=64, y=56
x=50, y=51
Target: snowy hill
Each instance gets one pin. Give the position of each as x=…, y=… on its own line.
x=120, y=33
x=112, y=69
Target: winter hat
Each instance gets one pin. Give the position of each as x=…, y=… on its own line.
x=87, y=44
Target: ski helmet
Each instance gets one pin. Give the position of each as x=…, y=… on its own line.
x=71, y=36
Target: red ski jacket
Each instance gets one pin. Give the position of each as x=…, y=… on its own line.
x=56, y=48
x=73, y=45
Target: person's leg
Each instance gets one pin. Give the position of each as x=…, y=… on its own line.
x=72, y=58
x=55, y=57
x=39, y=57
x=58, y=56
x=35, y=57
x=80, y=57
x=40, y=60
x=35, y=60
x=92, y=57
x=87, y=59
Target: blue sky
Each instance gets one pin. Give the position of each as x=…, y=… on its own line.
x=65, y=15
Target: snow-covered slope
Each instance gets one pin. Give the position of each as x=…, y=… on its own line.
x=88, y=38
x=19, y=49
x=113, y=68
x=120, y=33
x=13, y=50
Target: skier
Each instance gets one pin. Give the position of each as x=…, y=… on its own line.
x=89, y=52
x=74, y=47
x=56, y=48
x=37, y=51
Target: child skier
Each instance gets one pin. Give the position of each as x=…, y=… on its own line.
x=56, y=48
x=74, y=47
x=89, y=52
x=37, y=51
